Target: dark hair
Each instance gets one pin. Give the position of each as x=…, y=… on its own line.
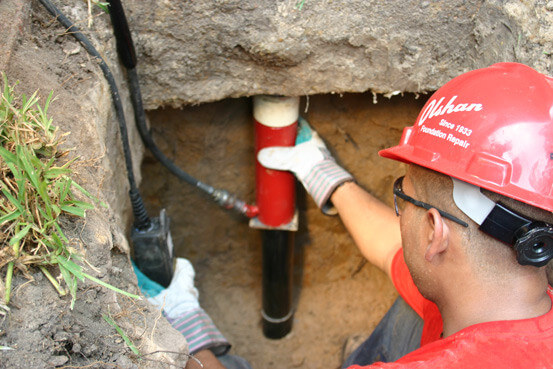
x=486, y=253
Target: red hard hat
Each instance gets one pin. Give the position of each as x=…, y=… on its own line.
x=492, y=127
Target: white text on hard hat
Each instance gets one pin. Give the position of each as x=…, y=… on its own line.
x=435, y=108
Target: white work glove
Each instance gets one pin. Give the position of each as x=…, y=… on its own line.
x=312, y=164
x=180, y=306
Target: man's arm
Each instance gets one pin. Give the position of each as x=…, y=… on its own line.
x=208, y=360
x=373, y=225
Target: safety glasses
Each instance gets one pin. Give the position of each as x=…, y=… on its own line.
x=398, y=192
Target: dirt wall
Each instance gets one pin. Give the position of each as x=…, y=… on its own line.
x=40, y=328
x=337, y=295
x=200, y=51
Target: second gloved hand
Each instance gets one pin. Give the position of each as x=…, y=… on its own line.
x=180, y=306
x=312, y=164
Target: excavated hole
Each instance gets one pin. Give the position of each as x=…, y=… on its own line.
x=337, y=294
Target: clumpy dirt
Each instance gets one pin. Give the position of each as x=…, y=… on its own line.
x=337, y=294
x=40, y=328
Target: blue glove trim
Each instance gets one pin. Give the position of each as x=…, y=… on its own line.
x=148, y=287
x=304, y=131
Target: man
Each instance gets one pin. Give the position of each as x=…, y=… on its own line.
x=474, y=233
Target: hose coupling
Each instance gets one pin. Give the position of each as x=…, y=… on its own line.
x=231, y=202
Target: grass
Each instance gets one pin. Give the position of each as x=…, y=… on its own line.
x=37, y=192
x=122, y=333
x=103, y=5
x=300, y=4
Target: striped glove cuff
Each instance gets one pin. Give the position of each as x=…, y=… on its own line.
x=322, y=180
x=200, y=332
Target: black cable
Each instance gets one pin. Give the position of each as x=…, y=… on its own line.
x=140, y=118
x=127, y=54
x=142, y=220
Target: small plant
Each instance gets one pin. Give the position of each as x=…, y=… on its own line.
x=299, y=4
x=123, y=335
x=36, y=193
x=104, y=5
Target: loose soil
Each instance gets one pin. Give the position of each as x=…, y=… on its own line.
x=40, y=327
x=337, y=294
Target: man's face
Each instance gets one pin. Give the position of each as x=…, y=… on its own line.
x=414, y=244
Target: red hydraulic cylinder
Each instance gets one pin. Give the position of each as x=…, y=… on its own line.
x=276, y=121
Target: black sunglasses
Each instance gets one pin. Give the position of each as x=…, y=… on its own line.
x=398, y=192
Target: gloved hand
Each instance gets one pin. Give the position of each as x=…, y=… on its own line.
x=180, y=306
x=312, y=164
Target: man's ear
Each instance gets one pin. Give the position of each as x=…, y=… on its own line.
x=438, y=235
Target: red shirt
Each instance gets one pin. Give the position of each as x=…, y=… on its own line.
x=508, y=344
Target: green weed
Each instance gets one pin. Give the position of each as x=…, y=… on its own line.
x=300, y=4
x=104, y=5
x=122, y=333
x=37, y=191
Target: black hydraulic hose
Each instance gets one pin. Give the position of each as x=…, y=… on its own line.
x=123, y=37
x=140, y=117
x=127, y=54
x=141, y=219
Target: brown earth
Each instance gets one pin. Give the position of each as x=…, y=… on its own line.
x=337, y=294
x=40, y=328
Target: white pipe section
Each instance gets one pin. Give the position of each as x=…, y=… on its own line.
x=276, y=111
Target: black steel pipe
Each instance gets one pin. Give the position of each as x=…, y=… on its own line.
x=277, y=313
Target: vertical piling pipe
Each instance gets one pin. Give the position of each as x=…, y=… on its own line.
x=275, y=120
